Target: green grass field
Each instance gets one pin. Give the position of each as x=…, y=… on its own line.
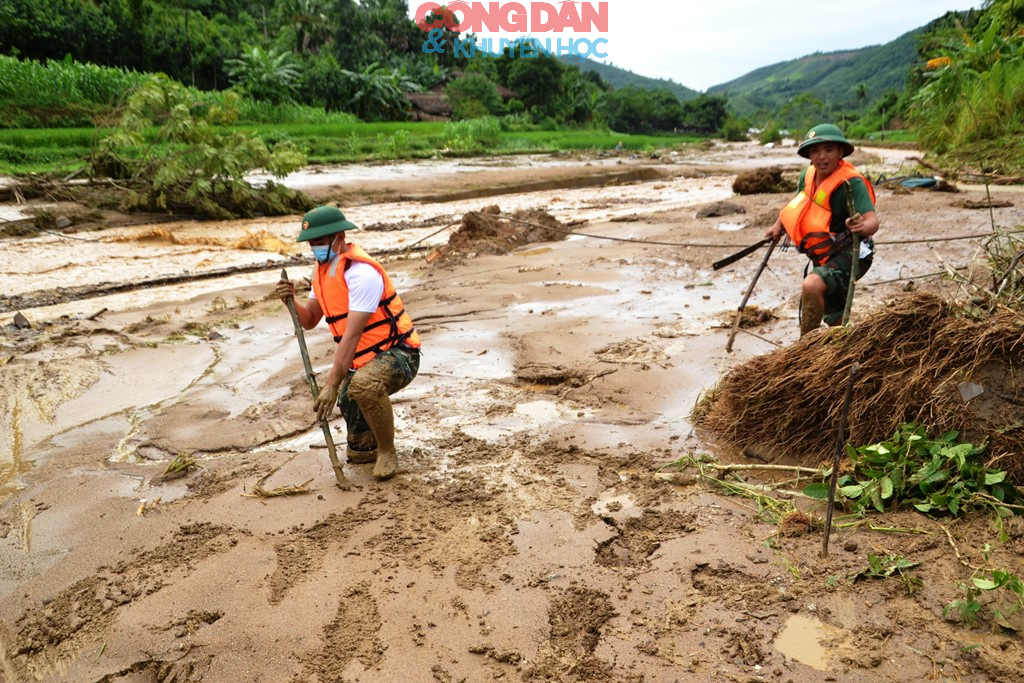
x=63, y=150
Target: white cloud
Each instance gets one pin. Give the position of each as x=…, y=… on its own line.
x=715, y=42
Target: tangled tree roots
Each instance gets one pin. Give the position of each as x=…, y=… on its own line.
x=921, y=359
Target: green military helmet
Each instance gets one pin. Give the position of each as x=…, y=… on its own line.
x=824, y=132
x=323, y=220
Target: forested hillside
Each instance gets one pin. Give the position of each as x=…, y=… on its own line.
x=844, y=81
x=620, y=78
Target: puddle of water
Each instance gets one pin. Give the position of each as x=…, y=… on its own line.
x=800, y=639
x=135, y=382
x=539, y=411
x=532, y=415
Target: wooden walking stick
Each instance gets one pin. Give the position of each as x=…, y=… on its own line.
x=855, y=261
x=750, y=290
x=339, y=472
x=840, y=447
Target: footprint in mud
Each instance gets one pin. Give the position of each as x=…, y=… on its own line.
x=302, y=552
x=736, y=590
x=182, y=671
x=351, y=635
x=639, y=537
x=576, y=617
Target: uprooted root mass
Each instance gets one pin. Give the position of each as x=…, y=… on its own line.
x=918, y=360
x=489, y=231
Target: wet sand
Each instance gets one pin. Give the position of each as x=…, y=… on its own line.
x=528, y=535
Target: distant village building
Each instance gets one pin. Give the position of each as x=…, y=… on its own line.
x=433, y=105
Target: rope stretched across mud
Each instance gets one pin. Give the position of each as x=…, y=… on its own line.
x=915, y=356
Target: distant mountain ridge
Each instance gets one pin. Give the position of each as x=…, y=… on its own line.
x=833, y=77
x=620, y=78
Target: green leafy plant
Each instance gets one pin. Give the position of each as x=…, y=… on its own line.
x=378, y=92
x=994, y=594
x=269, y=75
x=885, y=566
x=472, y=134
x=182, y=464
x=938, y=476
x=190, y=163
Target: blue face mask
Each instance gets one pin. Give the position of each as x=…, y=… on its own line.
x=324, y=254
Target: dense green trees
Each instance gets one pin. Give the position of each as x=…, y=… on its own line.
x=359, y=56
x=473, y=96
x=635, y=110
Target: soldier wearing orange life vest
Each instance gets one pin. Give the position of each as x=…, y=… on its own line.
x=818, y=223
x=378, y=349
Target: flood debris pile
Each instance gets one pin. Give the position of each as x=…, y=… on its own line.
x=762, y=181
x=751, y=316
x=489, y=231
x=923, y=360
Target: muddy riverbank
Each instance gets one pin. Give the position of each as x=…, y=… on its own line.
x=527, y=535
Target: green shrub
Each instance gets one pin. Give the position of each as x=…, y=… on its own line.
x=472, y=134
x=734, y=130
x=771, y=133
x=473, y=96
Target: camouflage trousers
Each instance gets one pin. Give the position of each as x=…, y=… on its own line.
x=390, y=371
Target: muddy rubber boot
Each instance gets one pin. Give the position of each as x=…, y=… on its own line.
x=358, y=456
x=811, y=313
x=379, y=414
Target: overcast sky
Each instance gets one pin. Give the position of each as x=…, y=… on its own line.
x=707, y=42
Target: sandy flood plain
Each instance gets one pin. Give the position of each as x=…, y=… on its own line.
x=528, y=535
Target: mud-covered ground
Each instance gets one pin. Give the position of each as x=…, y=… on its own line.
x=530, y=534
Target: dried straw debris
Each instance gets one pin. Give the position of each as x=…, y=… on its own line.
x=913, y=356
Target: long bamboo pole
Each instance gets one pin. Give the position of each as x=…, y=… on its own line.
x=332, y=453
x=840, y=447
x=851, y=209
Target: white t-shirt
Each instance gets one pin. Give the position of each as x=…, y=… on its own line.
x=365, y=287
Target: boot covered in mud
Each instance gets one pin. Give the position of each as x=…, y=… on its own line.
x=381, y=418
x=360, y=456
x=811, y=312
x=362, y=447
x=376, y=409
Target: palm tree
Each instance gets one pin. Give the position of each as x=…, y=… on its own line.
x=378, y=93
x=264, y=75
x=312, y=27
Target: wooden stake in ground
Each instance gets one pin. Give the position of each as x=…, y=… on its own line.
x=339, y=472
x=840, y=447
x=851, y=209
x=750, y=290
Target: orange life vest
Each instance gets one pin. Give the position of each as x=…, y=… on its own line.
x=388, y=326
x=807, y=220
